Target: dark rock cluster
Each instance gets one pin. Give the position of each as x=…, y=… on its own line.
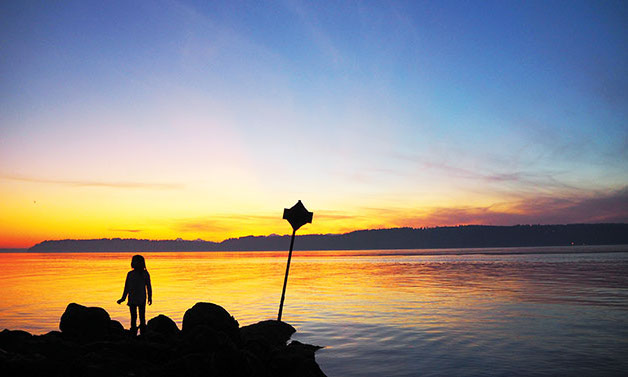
x=211, y=343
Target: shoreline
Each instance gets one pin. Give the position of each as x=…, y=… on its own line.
x=509, y=250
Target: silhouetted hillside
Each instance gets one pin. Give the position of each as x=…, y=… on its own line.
x=398, y=238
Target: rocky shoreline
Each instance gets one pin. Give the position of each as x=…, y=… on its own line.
x=210, y=343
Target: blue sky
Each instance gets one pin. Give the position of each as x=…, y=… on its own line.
x=380, y=113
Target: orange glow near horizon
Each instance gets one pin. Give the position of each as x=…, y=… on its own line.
x=32, y=212
x=30, y=223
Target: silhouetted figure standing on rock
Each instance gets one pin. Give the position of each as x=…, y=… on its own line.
x=137, y=286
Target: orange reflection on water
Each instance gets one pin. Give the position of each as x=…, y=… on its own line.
x=324, y=286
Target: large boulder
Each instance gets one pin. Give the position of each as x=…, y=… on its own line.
x=212, y=316
x=162, y=325
x=83, y=322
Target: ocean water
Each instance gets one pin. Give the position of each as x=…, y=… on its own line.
x=471, y=312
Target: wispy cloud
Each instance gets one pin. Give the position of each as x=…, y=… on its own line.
x=597, y=207
x=200, y=225
x=319, y=37
x=332, y=216
x=126, y=230
x=89, y=183
x=222, y=223
x=494, y=171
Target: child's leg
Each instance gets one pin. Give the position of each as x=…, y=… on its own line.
x=133, y=309
x=142, y=309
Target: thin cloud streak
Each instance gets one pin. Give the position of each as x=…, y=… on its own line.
x=221, y=223
x=86, y=183
x=198, y=225
x=545, y=179
x=592, y=207
x=604, y=207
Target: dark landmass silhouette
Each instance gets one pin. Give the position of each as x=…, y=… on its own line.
x=467, y=236
x=210, y=343
x=13, y=249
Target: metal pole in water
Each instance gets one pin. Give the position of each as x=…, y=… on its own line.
x=297, y=216
x=285, y=280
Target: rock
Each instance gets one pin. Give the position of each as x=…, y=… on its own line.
x=88, y=346
x=222, y=363
x=79, y=321
x=162, y=325
x=14, y=340
x=116, y=329
x=52, y=335
x=192, y=365
x=131, y=348
x=263, y=338
x=232, y=363
x=296, y=360
x=205, y=339
x=270, y=333
x=212, y=316
x=52, y=345
x=26, y=365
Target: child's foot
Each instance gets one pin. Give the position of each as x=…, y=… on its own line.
x=133, y=331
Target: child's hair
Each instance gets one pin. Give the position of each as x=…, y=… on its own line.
x=138, y=263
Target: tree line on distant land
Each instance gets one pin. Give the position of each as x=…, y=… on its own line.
x=467, y=236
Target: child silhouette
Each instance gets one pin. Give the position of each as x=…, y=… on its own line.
x=137, y=285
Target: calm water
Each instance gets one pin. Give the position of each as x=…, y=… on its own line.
x=379, y=313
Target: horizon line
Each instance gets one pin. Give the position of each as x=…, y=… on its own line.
x=310, y=234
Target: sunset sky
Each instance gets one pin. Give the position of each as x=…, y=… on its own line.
x=167, y=119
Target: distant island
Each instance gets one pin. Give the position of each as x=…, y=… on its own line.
x=466, y=236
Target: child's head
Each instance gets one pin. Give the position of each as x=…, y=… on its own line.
x=138, y=263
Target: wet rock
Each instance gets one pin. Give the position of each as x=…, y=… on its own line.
x=213, y=316
x=89, y=323
x=163, y=325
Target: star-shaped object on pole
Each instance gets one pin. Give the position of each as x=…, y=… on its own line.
x=298, y=215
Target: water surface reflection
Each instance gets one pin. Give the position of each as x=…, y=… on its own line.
x=377, y=313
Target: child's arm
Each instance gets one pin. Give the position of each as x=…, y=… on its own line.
x=126, y=290
x=149, y=289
